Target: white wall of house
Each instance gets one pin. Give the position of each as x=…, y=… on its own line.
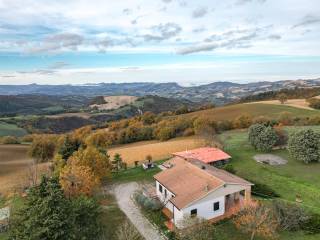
x=163, y=196
x=205, y=210
x=204, y=206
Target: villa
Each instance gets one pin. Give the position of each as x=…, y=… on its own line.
x=194, y=188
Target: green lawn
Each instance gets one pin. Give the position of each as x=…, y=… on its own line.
x=112, y=218
x=135, y=174
x=227, y=231
x=294, y=178
x=11, y=130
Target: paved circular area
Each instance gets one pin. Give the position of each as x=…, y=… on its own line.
x=270, y=159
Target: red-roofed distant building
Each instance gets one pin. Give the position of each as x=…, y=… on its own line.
x=208, y=155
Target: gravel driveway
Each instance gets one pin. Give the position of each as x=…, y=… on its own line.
x=123, y=193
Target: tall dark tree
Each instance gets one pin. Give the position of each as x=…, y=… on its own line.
x=45, y=214
x=68, y=147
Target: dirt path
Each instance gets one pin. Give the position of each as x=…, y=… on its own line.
x=123, y=195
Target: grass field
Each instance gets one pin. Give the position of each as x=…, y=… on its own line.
x=298, y=103
x=256, y=109
x=294, y=178
x=14, y=165
x=158, y=150
x=11, y=130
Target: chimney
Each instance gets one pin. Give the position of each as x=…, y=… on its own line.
x=206, y=188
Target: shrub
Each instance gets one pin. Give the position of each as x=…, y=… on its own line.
x=263, y=190
x=290, y=216
x=262, y=138
x=312, y=226
x=229, y=168
x=314, y=103
x=10, y=140
x=147, y=203
x=304, y=146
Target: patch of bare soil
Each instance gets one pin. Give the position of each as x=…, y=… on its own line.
x=115, y=102
x=270, y=159
x=16, y=167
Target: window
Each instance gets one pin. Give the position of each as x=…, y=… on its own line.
x=216, y=206
x=193, y=212
x=165, y=193
x=160, y=188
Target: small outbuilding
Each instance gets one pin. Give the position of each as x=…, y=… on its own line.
x=208, y=155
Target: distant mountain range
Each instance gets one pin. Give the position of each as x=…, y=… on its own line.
x=217, y=92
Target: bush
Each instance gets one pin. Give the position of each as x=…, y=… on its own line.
x=312, y=226
x=262, y=138
x=147, y=203
x=263, y=190
x=10, y=140
x=304, y=146
x=314, y=103
x=229, y=168
x=290, y=216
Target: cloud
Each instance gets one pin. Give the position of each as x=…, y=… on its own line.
x=109, y=42
x=199, y=30
x=162, y=32
x=57, y=42
x=307, y=20
x=274, y=37
x=59, y=65
x=167, y=1
x=199, y=12
x=236, y=38
x=127, y=11
x=243, y=2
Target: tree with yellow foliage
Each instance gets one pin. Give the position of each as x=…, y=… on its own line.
x=91, y=157
x=78, y=180
x=257, y=219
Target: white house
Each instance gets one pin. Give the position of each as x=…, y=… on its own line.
x=193, y=188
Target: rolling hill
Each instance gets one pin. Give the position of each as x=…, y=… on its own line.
x=217, y=92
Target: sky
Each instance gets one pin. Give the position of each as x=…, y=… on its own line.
x=191, y=42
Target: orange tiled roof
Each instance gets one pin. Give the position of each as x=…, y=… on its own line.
x=187, y=182
x=205, y=154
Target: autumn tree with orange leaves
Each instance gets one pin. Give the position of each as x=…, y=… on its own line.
x=96, y=160
x=257, y=219
x=78, y=180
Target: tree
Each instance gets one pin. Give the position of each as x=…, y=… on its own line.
x=85, y=214
x=97, y=161
x=257, y=219
x=291, y=217
x=10, y=140
x=243, y=121
x=45, y=214
x=314, y=103
x=78, y=180
x=262, y=138
x=48, y=214
x=205, y=127
x=304, y=146
x=68, y=147
x=42, y=149
x=282, y=98
x=117, y=162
